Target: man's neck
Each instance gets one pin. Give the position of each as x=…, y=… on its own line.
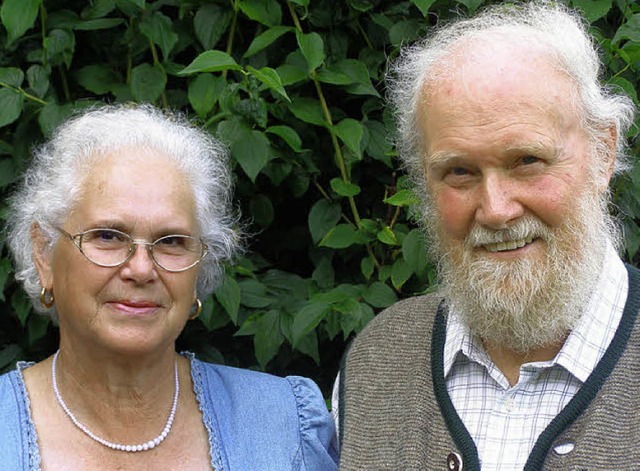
x=509, y=361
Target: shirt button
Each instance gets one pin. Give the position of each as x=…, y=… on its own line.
x=454, y=462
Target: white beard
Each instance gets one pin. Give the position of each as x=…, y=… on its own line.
x=531, y=302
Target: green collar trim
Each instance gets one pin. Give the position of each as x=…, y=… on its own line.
x=566, y=417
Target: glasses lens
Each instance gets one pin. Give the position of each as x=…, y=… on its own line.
x=177, y=252
x=106, y=247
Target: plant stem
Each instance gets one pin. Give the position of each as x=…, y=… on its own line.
x=156, y=61
x=28, y=96
x=232, y=33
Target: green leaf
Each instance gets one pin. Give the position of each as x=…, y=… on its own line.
x=340, y=237
x=379, y=295
x=5, y=263
x=378, y=144
x=11, y=76
x=98, y=9
x=148, y=82
x=323, y=216
x=204, y=91
x=251, y=150
x=97, y=78
x=308, y=110
x=21, y=306
x=401, y=271
x=344, y=188
x=350, y=132
x=289, y=135
x=7, y=176
x=265, y=39
x=140, y=4
x=159, y=29
x=423, y=5
x=626, y=86
x=335, y=78
x=312, y=48
x=210, y=61
x=37, y=328
x=290, y=74
x=18, y=16
x=268, y=338
x=414, y=250
x=210, y=23
x=9, y=355
x=323, y=274
x=387, y=236
x=359, y=74
x=472, y=5
x=307, y=319
x=267, y=12
x=302, y=3
x=402, y=198
x=228, y=295
x=270, y=78
x=213, y=316
x=254, y=294
x=405, y=31
x=10, y=106
x=593, y=9
x=60, y=45
x=309, y=346
x=102, y=23
x=367, y=267
x=261, y=210
x=38, y=78
x=52, y=115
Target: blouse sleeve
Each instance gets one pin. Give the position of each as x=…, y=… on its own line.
x=319, y=450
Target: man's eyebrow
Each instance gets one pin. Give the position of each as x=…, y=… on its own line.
x=535, y=148
x=443, y=158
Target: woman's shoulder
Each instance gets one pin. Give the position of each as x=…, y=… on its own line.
x=281, y=416
x=254, y=385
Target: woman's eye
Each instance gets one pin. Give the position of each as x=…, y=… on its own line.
x=107, y=235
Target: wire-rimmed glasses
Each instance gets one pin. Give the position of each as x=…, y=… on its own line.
x=111, y=248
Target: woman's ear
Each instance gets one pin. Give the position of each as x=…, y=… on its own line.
x=42, y=253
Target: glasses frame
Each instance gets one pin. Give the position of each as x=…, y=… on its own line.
x=77, y=241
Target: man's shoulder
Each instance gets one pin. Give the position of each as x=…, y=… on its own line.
x=417, y=310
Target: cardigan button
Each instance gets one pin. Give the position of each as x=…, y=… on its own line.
x=454, y=462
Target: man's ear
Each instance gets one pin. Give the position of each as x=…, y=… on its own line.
x=611, y=142
x=42, y=254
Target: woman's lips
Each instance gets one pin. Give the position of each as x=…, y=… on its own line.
x=139, y=308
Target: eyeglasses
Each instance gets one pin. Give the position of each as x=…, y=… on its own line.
x=112, y=248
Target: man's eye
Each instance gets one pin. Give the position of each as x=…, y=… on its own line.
x=530, y=159
x=458, y=171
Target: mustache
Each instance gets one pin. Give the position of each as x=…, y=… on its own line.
x=523, y=228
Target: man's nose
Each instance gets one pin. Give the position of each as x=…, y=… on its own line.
x=499, y=203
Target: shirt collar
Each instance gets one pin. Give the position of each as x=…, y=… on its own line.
x=586, y=343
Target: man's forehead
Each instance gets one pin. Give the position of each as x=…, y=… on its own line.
x=493, y=76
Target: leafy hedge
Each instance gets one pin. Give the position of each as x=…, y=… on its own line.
x=295, y=88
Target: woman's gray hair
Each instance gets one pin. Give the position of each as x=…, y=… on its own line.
x=52, y=183
x=560, y=31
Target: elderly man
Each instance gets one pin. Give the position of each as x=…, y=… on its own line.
x=528, y=357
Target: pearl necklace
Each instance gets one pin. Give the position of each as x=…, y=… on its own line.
x=117, y=446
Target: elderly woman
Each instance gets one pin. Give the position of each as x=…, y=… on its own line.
x=118, y=231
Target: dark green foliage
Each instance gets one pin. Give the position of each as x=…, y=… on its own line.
x=295, y=89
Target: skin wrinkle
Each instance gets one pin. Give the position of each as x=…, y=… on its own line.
x=482, y=123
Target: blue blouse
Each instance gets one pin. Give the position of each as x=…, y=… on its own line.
x=254, y=420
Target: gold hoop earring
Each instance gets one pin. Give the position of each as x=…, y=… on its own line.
x=198, y=310
x=46, y=298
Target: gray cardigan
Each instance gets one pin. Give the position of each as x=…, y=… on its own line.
x=395, y=412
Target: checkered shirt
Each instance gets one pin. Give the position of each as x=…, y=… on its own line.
x=505, y=421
